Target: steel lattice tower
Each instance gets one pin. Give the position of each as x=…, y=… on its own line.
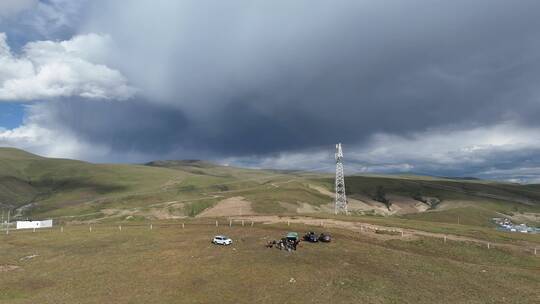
x=341, y=199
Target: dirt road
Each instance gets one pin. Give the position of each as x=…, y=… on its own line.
x=377, y=231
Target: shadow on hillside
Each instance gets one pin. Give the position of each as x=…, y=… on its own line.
x=72, y=184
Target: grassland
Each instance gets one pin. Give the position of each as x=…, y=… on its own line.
x=469, y=202
x=60, y=187
x=169, y=264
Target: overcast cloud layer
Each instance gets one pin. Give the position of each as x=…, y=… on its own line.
x=434, y=87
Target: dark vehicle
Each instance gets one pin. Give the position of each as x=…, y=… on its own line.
x=292, y=236
x=326, y=238
x=311, y=237
x=288, y=244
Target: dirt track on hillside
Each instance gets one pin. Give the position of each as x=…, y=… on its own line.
x=377, y=231
x=233, y=206
x=400, y=204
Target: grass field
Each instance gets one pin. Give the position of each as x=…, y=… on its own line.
x=169, y=264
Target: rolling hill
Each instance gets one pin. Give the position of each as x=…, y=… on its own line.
x=64, y=189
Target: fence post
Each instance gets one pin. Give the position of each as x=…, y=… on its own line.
x=534, y=251
x=120, y=227
x=402, y=233
x=217, y=224
x=34, y=230
x=488, y=245
x=230, y=223
x=7, y=227
x=445, y=239
x=242, y=223
x=151, y=227
x=90, y=228
x=183, y=225
x=288, y=223
x=251, y=223
x=61, y=228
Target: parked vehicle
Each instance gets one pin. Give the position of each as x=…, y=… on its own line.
x=222, y=240
x=292, y=236
x=311, y=237
x=326, y=238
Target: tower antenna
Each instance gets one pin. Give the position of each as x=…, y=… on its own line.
x=341, y=199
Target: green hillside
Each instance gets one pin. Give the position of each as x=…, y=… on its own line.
x=34, y=186
x=54, y=184
x=467, y=201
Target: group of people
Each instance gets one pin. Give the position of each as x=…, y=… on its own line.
x=284, y=244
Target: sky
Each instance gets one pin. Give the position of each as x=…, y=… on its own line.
x=444, y=88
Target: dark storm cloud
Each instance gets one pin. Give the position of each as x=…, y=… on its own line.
x=303, y=74
x=145, y=127
x=253, y=79
x=134, y=126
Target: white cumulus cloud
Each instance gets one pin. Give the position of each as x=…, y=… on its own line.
x=40, y=133
x=504, y=151
x=70, y=68
x=48, y=141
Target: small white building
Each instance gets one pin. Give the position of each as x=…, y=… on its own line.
x=34, y=224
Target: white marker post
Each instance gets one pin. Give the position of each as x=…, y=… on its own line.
x=230, y=223
x=150, y=226
x=242, y=223
x=217, y=225
x=61, y=228
x=120, y=227
x=7, y=229
x=445, y=239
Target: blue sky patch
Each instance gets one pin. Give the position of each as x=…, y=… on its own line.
x=11, y=115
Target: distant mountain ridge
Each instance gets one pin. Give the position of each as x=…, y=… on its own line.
x=181, y=163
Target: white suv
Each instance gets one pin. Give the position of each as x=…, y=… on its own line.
x=221, y=240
